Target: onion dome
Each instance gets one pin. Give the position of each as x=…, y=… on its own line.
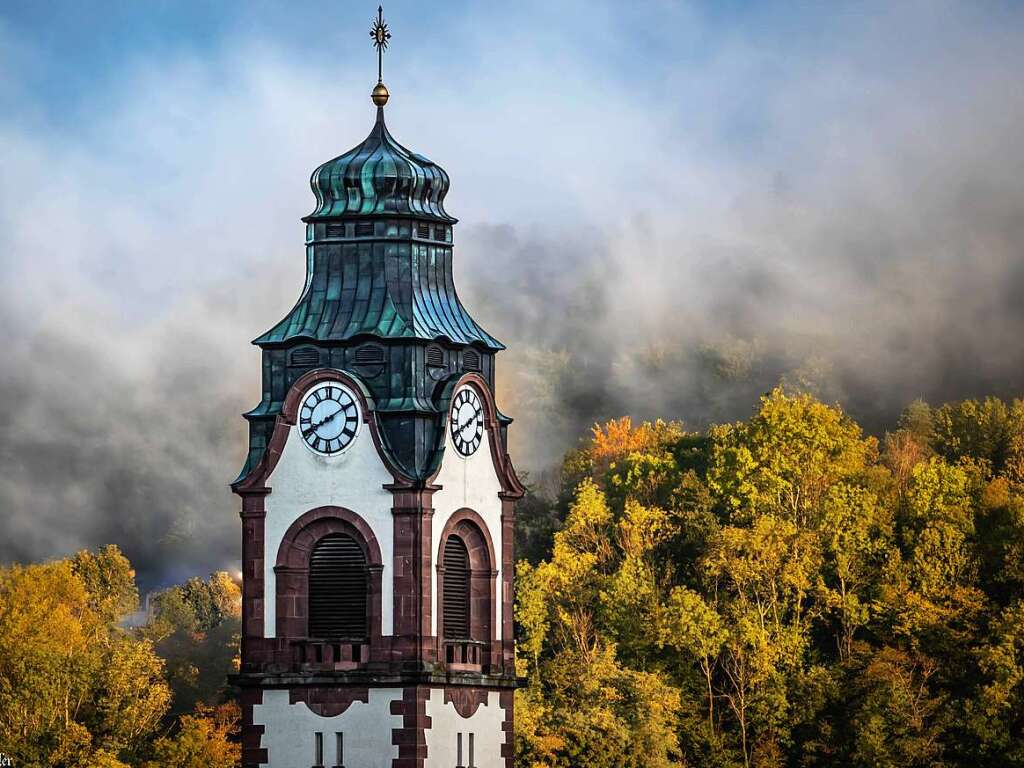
x=380, y=176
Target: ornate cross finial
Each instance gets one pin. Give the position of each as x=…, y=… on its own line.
x=381, y=35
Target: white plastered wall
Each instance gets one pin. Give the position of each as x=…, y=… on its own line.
x=354, y=479
x=446, y=723
x=473, y=483
x=290, y=728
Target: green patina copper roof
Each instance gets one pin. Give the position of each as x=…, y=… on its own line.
x=391, y=290
x=380, y=176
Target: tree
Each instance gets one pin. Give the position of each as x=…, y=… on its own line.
x=74, y=688
x=784, y=459
x=855, y=535
x=763, y=578
x=586, y=707
x=995, y=715
x=110, y=582
x=203, y=740
x=196, y=628
x=696, y=629
x=898, y=719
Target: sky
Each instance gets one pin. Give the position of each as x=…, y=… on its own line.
x=665, y=210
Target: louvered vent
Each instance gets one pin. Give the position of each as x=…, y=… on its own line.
x=435, y=357
x=369, y=355
x=441, y=233
x=471, y=360
x=335, y=230
x=364, y=229
x=337, y=589
x=305, y=357
x=456, y=589
x=423, y=230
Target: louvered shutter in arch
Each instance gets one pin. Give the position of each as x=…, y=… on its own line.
x=456, y=589
x=471, y=360
x=338, y=588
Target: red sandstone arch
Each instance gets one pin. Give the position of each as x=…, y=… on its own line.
x=471, y=528
x=292, y=568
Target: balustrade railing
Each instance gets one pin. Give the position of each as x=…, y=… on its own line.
x=465, y=654
x=313, y=655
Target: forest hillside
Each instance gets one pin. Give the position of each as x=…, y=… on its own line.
x=784, y=591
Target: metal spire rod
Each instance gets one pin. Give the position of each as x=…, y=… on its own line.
x=381, y=35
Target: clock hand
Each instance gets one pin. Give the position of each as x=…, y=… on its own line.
x=328, y=418
x=467, y=422
x=315, y=427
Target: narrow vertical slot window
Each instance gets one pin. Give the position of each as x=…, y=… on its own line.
x=318, y=750
x=339, y=758
x=458, y=751
x=471, y=763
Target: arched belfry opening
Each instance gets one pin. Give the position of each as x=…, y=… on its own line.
x=328, y=591
x=466, y=593
x=338, y=589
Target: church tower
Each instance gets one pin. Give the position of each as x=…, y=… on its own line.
x=377, y=495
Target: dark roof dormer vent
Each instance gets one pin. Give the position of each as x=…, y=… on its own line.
x=423, y=230
x=364, y=229
x=369, y=354
x=335, y=230
x=471, y=360
x=305, y=357
x=435, y=357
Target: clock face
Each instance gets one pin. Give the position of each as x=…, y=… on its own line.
x=329, y=418
x=467, y=421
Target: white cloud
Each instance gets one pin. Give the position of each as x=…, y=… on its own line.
x=661, y=199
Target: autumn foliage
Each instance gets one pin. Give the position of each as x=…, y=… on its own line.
x=79, y=690
x=784, y=591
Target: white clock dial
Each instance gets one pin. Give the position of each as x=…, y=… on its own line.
x=467, y=421
x=329, y=418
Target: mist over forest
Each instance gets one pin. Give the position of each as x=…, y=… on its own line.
x=849, y=223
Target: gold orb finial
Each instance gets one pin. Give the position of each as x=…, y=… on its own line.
x=380, y=94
